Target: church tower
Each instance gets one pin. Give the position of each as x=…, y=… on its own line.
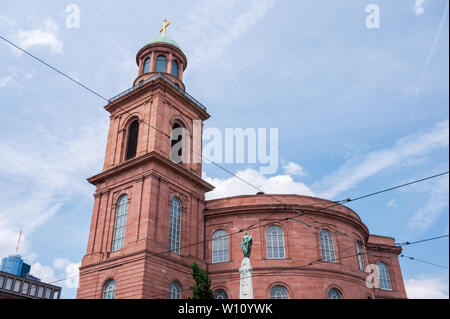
x=150, y=197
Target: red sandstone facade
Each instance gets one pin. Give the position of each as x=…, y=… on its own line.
x=145, y=268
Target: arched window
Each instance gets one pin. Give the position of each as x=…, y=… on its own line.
x=334, y=294
x=220, y=246
x=161, y=63
x=175, y=291
x=133, y=132
x=175, y=226
x=146, y=68
x=109, y=290
x=120, y=223
x=360, y=257
x=279, y=292
x=175, y=68
x=327, y=246
x=220, y=294
x=385, y=278
x=176, y=151
x=275, y=242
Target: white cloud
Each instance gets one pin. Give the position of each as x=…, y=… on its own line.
x=406, y=149
x=233, y=186
x=392, y=203
x=5, y=20
x=5, y=81
x=71, y=271
x=44, y=35
x=14, y=77
x=40, y=170
x=426, y=216
x=45, y=273
x=418, y=7
x=223, y=21
x=430, y=52
x=426, y=288
x=292, y=168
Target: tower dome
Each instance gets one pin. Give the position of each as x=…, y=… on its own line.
x=165, y=39
x=161, y=55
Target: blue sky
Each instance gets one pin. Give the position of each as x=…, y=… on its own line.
x=357, y=110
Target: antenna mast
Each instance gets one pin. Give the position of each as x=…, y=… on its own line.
x=18, y=242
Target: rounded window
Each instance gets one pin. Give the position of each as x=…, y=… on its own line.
x=175, y=291
x=146, y=68
x=161, y=63
x=109, y=290
x=327, y=246
x=334, y=294
x=175, y=226
x=175, y=68
x=279, y=292
x=133, y=132
x=220, y=246
x=220, y=294
x=275, y=242
x=120, y=223
x=385, y=278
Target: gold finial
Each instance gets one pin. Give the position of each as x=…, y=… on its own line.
x=164, y=27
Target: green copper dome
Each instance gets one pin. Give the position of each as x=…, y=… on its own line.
x=164, y=39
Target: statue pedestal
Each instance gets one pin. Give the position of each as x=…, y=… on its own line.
x=246, y=287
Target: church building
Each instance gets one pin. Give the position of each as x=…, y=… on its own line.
x=151, y=221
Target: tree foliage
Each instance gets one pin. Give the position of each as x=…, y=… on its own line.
x=202, y=288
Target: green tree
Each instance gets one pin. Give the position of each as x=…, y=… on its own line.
x=202, y=288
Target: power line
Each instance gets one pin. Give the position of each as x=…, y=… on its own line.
x=73, y=80
x=420, y=241
x=423, y=261
x=395, y=187
x=54, y=69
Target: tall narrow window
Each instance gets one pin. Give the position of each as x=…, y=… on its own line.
x=279, y=292
x=146, y=66
x=175, y=68
x=176, y=151
x=175, y=291
x=360, y=257
x=334, y=294
x=120, y=223
x=275, y=242
x=385, y=278
x=327, y=246
x=220, y=246
x=175, y=226
x=133, y=132
x=109, y=290
x=161, y=63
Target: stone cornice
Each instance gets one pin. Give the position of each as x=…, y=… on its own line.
x=152, y=156
x=376, y=247
x=286, y=208
x=151, y=86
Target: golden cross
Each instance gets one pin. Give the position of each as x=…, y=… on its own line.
x=164, y=27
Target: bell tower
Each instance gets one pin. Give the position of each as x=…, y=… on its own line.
x=149, y=200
